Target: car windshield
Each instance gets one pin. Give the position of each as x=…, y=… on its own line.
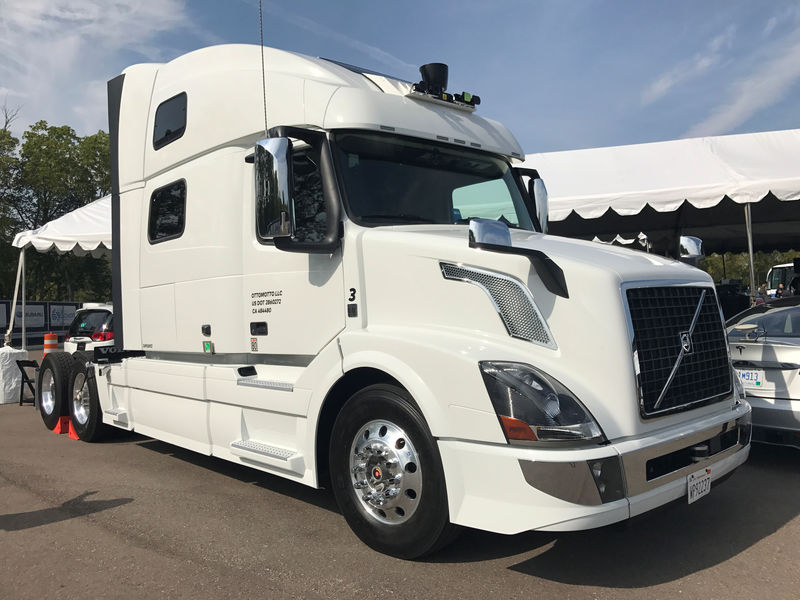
x=88, y=322
x=779, y=321
x=392, y=180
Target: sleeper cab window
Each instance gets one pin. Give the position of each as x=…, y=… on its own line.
x=167, y=212
x=170, y=121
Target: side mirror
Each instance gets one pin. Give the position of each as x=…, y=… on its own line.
x=273, y=173
x=489, y=231
x=297, y=212
x=539, y=195
x=691, y=247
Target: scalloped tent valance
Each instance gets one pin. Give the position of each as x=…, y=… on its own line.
x=690, y=187
x=86, y=230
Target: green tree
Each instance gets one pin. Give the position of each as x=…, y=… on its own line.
x=53, y=171
x=736, y=266
x=8, y=163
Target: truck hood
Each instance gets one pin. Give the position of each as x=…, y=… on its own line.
x=626, y=265
x=592, y=353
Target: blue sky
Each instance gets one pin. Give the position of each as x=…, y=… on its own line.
x=561, y=74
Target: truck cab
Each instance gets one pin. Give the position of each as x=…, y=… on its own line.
x=343, y=278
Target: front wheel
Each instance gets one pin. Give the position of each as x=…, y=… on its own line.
x=387, y=474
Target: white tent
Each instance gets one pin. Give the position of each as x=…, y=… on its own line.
x=86, y=230
x=664, y=175
x=735, y=192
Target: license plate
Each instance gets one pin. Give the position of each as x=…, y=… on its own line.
x=751, y=378
x=699, y=484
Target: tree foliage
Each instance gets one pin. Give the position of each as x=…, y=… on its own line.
x=736, y=266
x=51, y=172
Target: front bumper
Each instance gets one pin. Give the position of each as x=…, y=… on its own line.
x=510, y=489
x=776, y=421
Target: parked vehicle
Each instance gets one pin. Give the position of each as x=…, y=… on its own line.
x=765, y=344
x=733, y=298
x=366, y=299
x=93, y=326
x=787, y=275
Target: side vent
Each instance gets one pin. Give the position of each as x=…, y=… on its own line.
x=512, y=300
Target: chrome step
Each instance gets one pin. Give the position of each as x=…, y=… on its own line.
x=280, y=386
x=118, y=415
x=267, y=454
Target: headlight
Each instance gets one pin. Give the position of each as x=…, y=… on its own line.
x=534, y=407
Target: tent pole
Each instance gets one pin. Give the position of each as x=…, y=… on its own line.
x=748, y=221
x=20, y=269
x=24, y=332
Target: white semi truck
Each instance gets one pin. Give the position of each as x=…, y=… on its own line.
x=362, y=295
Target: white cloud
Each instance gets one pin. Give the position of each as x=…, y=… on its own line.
x=770, y=26
x=767, y=85
x=56, y=55
x=689, y=69
x=383, y=57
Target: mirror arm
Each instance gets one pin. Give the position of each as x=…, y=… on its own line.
x=540, y=205
x=549, y=272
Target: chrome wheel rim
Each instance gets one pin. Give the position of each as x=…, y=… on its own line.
x=80, y=399
x=48, y=398
x=385, y=472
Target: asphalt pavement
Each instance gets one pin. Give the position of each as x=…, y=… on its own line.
x=137, y=518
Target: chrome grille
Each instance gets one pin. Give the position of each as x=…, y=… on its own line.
x=512, y=300
x=662, y=318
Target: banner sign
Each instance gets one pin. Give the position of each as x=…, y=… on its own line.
x=35, y=316
x=61, y=314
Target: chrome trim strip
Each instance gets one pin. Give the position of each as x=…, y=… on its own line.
x=568, y=481
x=551, y=343
x=682, y=353
x=243, y=358
x=765, y=364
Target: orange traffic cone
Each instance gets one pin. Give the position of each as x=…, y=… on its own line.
x=50, y=343
x=63, y=425
x=73, y=435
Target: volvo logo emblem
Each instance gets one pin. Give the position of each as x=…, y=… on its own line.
x=686, y=342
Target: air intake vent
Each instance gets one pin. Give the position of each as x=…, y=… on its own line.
x=512, y=300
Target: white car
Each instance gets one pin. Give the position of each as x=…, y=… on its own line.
x=765, y=349
x=92, y=326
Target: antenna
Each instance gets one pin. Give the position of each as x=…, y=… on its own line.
x=263, y=71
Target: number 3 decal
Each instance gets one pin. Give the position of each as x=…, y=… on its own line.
x=352, y=295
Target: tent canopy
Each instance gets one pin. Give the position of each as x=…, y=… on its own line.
x=691, y=187
x=86, y=230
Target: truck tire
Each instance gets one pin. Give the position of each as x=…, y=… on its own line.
x=387, y=474
x=52, y=387
x=84, y=404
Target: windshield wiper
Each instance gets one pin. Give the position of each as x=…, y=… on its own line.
x=400, y=217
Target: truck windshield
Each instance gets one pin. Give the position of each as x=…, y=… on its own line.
x=392, y=180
